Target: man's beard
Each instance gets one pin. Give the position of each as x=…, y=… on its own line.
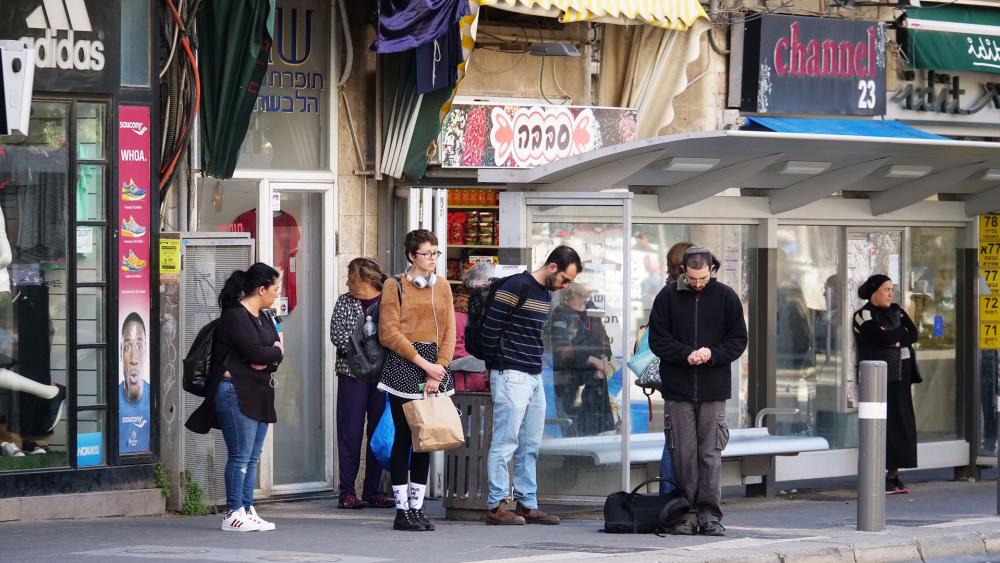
x=550, y=282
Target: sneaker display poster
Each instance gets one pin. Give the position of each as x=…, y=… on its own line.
x=134, y=191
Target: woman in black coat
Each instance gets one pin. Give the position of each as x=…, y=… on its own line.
x=246, y=353
x=884, y=332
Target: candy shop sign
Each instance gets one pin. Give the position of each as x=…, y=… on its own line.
x=511, y=136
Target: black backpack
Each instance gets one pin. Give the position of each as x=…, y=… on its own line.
x=478, y=308
x=365, y=355
x=198, y=361
x=636, y=513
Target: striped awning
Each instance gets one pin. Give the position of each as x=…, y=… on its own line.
x=667, y=14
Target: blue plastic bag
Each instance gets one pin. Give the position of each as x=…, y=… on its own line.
x=383, y=437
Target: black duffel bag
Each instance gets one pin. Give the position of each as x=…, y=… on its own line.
x=636, y=513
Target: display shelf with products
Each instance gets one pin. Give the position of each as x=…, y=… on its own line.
x=473, y=229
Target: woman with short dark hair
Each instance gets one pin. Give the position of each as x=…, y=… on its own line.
x=357, y=400
x=884, y=332
x=417, y=327
x=240, y=401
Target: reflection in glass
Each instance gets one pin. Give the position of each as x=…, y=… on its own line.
x=90, y=131
x=582, y=361
x=650, y=245
x=299, y=436
x=90, y=324
x=228, y=206
x=135, y=43
x=91, y=377
x=90, y=192
x=89, y=254
x=930, y=301
x=809, y=336
x=33, y=242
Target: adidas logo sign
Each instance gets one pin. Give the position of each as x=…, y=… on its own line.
x=65, y=52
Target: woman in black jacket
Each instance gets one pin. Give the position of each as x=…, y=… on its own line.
x=240, y=401
x=884, y=332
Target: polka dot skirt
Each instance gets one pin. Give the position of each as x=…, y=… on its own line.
x=402, y=378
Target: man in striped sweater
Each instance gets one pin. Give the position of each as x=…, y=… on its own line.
x=511, y=341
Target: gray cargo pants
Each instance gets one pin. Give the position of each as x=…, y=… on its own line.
x=696, y=432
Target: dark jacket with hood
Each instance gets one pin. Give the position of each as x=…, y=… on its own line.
x=683, y=321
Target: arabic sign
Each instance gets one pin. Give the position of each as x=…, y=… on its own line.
x=807, y=65
x=522, y=136
x=952, y=38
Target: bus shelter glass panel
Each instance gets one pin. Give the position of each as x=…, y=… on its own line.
x=732, y=245
x=810, y=336
x=930, y=299
x=584, y=340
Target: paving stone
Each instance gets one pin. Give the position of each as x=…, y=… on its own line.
x=886, y=552
x=45, y=508
x=950, y=545
x=10, y=510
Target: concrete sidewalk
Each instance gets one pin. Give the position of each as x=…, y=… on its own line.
x=938, y=521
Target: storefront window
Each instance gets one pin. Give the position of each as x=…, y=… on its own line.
x=289, y=129
x=810, y=337
x=228, y=206
x=34, y=174
x=650, y=245
x=931, y=300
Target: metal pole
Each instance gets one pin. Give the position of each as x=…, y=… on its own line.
x=871, y=446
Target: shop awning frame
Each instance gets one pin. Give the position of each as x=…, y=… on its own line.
x=791, y=169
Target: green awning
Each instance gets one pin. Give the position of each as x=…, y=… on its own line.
x=953, y=38
x=234, y=44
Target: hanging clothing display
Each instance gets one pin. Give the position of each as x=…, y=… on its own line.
x=286, y=247
x=407, y=25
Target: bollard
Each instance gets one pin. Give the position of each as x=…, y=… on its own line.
x=871, y=446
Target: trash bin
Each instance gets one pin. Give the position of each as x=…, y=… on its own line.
x=465, y=488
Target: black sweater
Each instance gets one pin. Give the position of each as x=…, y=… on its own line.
x=683, y=321
x=240, y=340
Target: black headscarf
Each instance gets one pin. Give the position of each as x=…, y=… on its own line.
x=870, y=286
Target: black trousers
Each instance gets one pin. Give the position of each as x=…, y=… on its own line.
x=405, y=466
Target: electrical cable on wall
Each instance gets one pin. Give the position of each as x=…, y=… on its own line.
x=180, y=88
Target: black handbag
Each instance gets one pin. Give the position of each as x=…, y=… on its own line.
x=636, y=513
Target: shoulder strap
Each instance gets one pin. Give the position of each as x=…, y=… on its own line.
x=520, y=301
x=399, y=287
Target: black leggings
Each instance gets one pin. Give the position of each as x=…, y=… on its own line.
x=419, y=463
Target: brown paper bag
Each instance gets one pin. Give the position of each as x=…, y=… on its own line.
x=434, y=423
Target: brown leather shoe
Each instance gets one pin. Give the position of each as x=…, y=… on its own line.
x=502, y=517
x=535, y=516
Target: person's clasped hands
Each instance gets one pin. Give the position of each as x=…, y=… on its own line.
x=700, y=356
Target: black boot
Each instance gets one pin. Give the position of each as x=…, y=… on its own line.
x=417, y=515
x=405, y=522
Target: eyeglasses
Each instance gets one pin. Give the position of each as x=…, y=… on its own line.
x=433, y=254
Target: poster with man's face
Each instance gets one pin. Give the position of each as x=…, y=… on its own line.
x=133, y=386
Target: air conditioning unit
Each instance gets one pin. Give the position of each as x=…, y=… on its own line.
x=189, y=301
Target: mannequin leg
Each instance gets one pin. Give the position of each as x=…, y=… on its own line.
x=55, y=393
x=17, y=382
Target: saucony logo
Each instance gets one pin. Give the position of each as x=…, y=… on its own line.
x=135, y=126
x=137, y=421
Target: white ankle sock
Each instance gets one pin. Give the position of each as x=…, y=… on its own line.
x=417, y=495
x=399, y=494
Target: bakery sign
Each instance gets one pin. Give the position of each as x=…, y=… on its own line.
x=808, y=65
x=522, y=136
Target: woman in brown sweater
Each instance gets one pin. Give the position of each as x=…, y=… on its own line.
x=418, y=331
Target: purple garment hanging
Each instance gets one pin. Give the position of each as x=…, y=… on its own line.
x=407, y=24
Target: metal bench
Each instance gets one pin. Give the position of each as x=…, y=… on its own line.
x=746, y=459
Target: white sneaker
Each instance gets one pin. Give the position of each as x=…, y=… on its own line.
x=265, y=526
x=239, y=521
x=9, y=449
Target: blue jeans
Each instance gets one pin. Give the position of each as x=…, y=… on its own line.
x=518, y=423
x=666, y=470
x=244, y=438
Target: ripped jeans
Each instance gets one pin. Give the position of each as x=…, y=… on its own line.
x=244, y=439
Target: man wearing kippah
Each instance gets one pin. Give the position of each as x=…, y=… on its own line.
x=697, y=330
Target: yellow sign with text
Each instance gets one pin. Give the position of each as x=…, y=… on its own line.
x=170, y=256
x=989, y=336
x=989, y=228
x=989, y=255
x=989, y=309
x=992, y=279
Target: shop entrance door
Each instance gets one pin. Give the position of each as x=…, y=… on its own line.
x=587, y=342
x=301, y=443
